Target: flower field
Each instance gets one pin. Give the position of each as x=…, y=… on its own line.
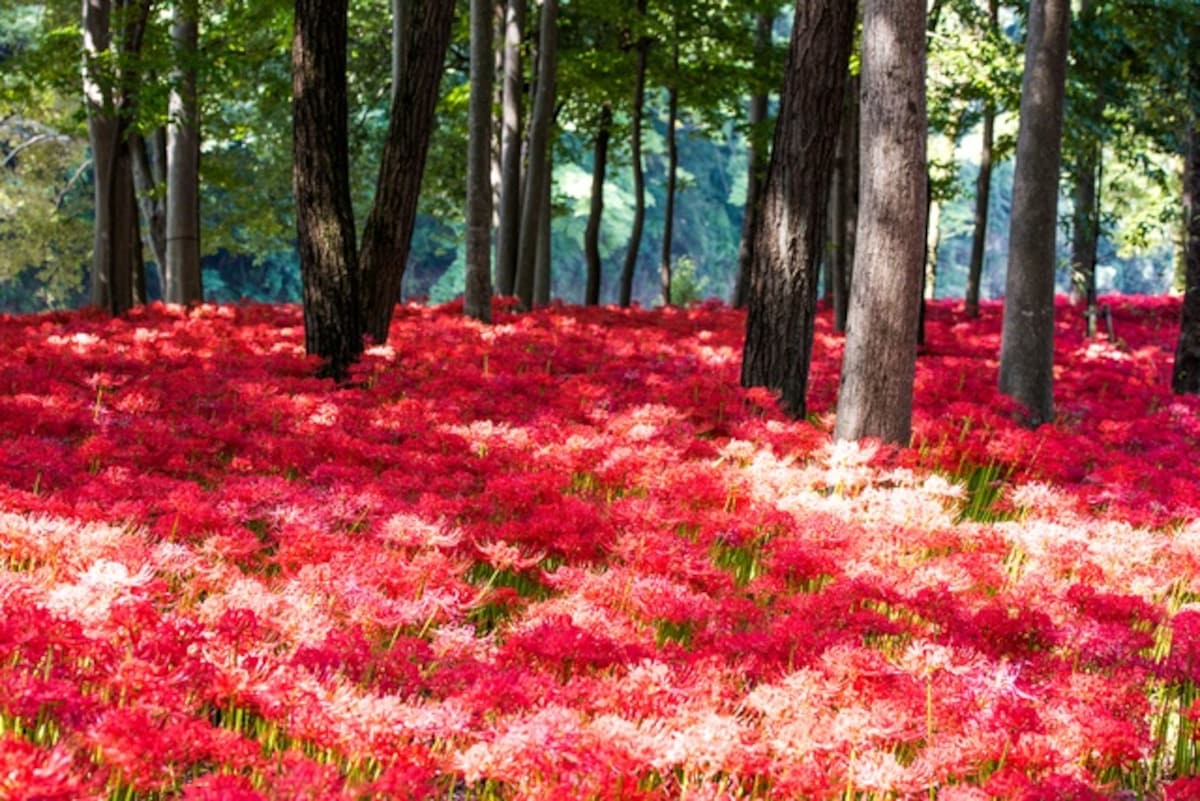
x=568, y=557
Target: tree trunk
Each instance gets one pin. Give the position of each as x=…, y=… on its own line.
x=1185, y=378
x=151, y=203
x=477, y=300
x=625, y=296
x=539, y=149
x=182, y=268
x=790, y=229
x=983, y=190
x=510, y=147
x=1027, y=338
x=591, y=236
x=333, y=323
x=875, y=396
x=110, y=102
x=401, y=22
x=542, y=256
x=848, y=141
x=1085, y=230
x=387, y=235
x=664, y=268
x=756, y=160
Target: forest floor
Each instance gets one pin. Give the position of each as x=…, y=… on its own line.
x=566, y=556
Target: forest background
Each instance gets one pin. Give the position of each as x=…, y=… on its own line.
x=1116, y=105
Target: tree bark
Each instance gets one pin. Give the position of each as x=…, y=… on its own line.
x=664, y=267
x=625, y=295
x=110, y=101
x=1185, y=377
x=756, y=160
x=184, y=283
x=477, y=299
x=510, y=147
x=1085, y=231
x=790, y=230
x=387, y=235
x=539, y=147
x=333, y=322
x=542, y=255
x=848, y=142
x=151, y=202
x=1027, y=338
x=983, y=190
x=875, y=395
x=591, y=236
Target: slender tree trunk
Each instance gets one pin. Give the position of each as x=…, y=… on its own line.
x=983, y=190
x=756, y=160
x=1027, y=338
x=333, y=323
x=591, y=236
x=539, y=150
x=507, y=236
x=875, y=396
x=151, y=203
x=478, y=294
x=625, y=296
x=664, y=268
x=848, y=142
x=542, y=256
x=1185, y=378
x=184, y=283
x=790, y=230
x=1085, y=225
x=932, y=212
x=387, y=235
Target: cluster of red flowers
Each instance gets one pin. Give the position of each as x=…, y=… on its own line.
x=567, y=556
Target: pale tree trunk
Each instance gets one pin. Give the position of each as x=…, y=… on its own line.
x=110, y=101
x=333, y=321
x=477, y=298
x=625, y=294
x=789, y=230
x=1027, y=337
x=664, y=267
x=540, y=123
x=875, y=395
x=591, y=236
x=510, y=151
x=983, y=190
x=756, y=160
x=387, y=235
x=182, y=268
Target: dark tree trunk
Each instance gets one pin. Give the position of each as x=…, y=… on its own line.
x=477, y=300
x=542, y=254
x=875, y=396
x=983, y=191
x=848, y=136
x=510, y=151
x=387, y=235
x=591, y=237
x=1085, y=225
x=639, y=177
x=1027, y=339
x=756, y=160
x=1186, y=376
x=152, y=203
x=541, y=120
x=789, y=232
x=333, y=322
x=664, y=268
x=184, y=283
x=111, y=105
